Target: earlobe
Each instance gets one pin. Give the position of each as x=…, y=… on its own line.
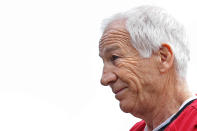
x=166, y=58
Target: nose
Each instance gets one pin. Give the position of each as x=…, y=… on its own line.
x=108, y=77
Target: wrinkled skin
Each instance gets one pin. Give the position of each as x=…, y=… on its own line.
x=125, y=68
x=145, y=87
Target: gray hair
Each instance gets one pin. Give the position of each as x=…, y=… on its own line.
x=149, y=27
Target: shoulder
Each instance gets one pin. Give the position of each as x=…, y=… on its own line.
x=194, y=105
x=138, y=126
x=187, y=120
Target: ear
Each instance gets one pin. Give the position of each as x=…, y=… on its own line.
x=166, y=58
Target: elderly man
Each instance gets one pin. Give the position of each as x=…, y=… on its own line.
x=145, y=55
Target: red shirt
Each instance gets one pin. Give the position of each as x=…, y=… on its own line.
x=185, y=121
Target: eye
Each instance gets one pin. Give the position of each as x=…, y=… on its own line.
x=114, y=57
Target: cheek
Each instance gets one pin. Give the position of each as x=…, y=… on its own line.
x=128, y=72
x=129, y=66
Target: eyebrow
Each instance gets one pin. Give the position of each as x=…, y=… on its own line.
x=111, y=48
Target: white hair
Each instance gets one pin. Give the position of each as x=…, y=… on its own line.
x=149, y=28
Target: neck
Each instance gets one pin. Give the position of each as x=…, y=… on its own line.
x=174, y=93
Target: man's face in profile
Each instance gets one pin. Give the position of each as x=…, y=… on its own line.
x=125, y=71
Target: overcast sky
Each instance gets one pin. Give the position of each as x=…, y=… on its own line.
x=50, y=69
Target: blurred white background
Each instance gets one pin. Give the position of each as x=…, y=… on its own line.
x=50, y=69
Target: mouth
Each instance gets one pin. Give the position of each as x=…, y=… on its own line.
x=119, y=90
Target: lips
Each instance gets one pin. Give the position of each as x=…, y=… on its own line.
x=116, y=91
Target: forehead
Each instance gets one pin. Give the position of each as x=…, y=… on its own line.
x=115, y=34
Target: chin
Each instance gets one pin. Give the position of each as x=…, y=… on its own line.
x=125, y=107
